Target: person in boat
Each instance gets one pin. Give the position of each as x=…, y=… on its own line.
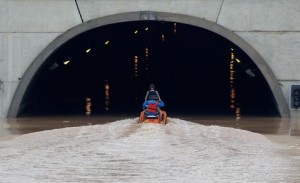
x=153, y=102
x=152, y=94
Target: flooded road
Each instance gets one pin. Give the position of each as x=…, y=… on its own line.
x=124, y=151
x=17, y=126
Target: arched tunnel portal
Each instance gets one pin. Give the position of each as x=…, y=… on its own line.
x=198, y=67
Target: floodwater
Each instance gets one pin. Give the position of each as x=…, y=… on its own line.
x=196, y=149
x=17, y=126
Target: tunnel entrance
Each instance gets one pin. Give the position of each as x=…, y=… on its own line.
x=108, y=70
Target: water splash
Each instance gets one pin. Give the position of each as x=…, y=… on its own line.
x=125, y=151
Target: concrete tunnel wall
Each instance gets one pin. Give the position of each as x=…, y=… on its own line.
x=145, y=15
x=272, y=28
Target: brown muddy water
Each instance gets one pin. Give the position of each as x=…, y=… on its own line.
x=276, y=129
x=17, y=126
x=118, y=150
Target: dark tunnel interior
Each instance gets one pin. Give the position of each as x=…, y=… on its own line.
x=112, y=66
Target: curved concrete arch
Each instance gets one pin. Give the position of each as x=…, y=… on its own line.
x=149, y=15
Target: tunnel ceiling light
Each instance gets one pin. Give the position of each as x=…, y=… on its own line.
x=67, y=62
x=136, y=31
x=106, y=42
x=237, y=60
x=146, y=29
x=88, y=50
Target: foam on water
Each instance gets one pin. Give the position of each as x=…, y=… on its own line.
x=124, y=151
